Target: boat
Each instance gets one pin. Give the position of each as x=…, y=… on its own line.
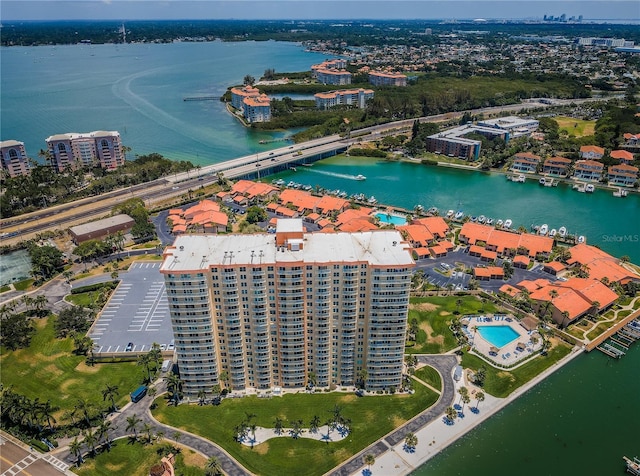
x=360, y=177
x=433, y=211
x=499, y=222
x=293, y=168
x=633, y=466
x=580, y=187
x=589, y=188
x=474, y=218
x=489, y=221
x=508, y=223
x=620, y=193
x=450, y=213
x=541, y=181
x=581, y=239
x=482, y=219
x=562, y=232
x=372, y=200
x=291, y=184
x=548, y=182
x=459, y=214
x=553, y=232
x=543, y=230
x=517, y=178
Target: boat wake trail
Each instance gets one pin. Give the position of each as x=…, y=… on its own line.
x=331, y=174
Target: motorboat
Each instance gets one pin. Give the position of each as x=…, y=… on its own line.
x=474, y=218
x=450, y=213
x=372, y=200
x=544, y=229
x=482, y=219
x=553, y=232
x=620, y=193
x=433, y=211
x=489, y=221
x=459, y=215
x=508, y=223
x=589, y=188
x=581, y=239
x=360, y=177
x=499, y=222
x=562, y=232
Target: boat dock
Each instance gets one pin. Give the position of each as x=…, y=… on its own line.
x=615, y=341
x=633, y=466
x=201, y=98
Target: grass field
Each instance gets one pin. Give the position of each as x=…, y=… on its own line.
x=576, y=127
x=434, y=315
x=430, y=375
x=500, y=383
x=48, y=370
x=136, y=460
x=371, y=418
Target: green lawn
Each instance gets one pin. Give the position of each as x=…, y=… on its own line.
x=576, y=127
x=371, y=418
x=500, y=383
x=48, y=370
x=83, y=299
x=23, y=285
x=434, y=315
x=430, y=375
x=136, y=459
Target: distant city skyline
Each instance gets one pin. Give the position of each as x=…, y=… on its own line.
x=12, y=10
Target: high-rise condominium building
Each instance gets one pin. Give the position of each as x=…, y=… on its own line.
x=94, y=149
x=284, y=310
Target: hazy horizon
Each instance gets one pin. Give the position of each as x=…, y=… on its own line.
x=16, y=10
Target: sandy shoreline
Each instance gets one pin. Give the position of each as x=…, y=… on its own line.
x=436, y=436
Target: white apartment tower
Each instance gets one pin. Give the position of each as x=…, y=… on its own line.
x=272, y=311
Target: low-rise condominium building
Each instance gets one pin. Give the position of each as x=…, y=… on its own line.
x=13, y=158
x=93, y=149
x=272, y=311
x=344, y=97
x=383, y=78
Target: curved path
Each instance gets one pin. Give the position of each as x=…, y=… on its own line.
x=443, y=364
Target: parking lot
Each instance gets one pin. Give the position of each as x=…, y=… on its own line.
x=137, y=314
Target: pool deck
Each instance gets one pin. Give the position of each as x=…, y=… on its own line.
x=507, y=355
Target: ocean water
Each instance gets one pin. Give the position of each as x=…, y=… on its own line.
x=582, y=420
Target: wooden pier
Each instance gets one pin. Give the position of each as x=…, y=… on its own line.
x=613, y=330
x=202, y=98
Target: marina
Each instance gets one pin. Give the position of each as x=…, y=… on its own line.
x=633, y=466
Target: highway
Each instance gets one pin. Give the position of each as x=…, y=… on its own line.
x=63, y=216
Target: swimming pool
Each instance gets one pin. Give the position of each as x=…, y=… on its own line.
x=498, y=336
x=392, y=219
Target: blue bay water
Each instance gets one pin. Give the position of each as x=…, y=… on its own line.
x=581, y=420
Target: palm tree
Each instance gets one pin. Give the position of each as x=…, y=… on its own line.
x=314, y=424
x=369, y=459
x=103, y=432
x=84, y=407
x=363, y=376
x=465, y=399
x=144, y=360
x=213, y=467
x=132, y=424
x=146, y=428
x=479, y=398
x=410, y=441
x=160, y=436
x=76, y=450
x=202, y=396
x=277, y=426
x=451, y=414
x=90, y=440
x=224, y=378
x=46, y=411
x=110, y=392
x=174, y=386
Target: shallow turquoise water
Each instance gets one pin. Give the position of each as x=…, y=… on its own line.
x=498, y=335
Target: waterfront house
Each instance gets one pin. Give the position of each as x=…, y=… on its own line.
x=588, y=170
x=257, y=109
x=382, y=78
x=525, y=162
x=624, y=156
x=558, y=166
x=254, y=190
x=506, y=243
x=591, y=152
x=565, y=304
x=345, y=97
x=623, y=175
x=436, y=225
x=238, y=95
x=13, y=157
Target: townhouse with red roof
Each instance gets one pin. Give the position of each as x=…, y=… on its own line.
x=558, y=166
x=591, y=152
x=525, y=162
x=631, y=140
x=623, y=175
x=624, y=156
x=589, y=170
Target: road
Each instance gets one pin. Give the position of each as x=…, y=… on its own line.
x=252, y=166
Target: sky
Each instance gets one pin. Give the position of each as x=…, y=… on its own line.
x=11, y=10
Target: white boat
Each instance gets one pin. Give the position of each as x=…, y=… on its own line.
x=544, y=229
x=450, y=213
x=482, y=219
x=553, y=232
x=589, y=188
x=360, y=177
x=562, y=231
x=489, y=221
x=541, y=181
x=499, y=222
x=433, y=211
x=372, y=200
x=508, y=223
x=620, y=193
x=459, y=214
x=581, y=239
